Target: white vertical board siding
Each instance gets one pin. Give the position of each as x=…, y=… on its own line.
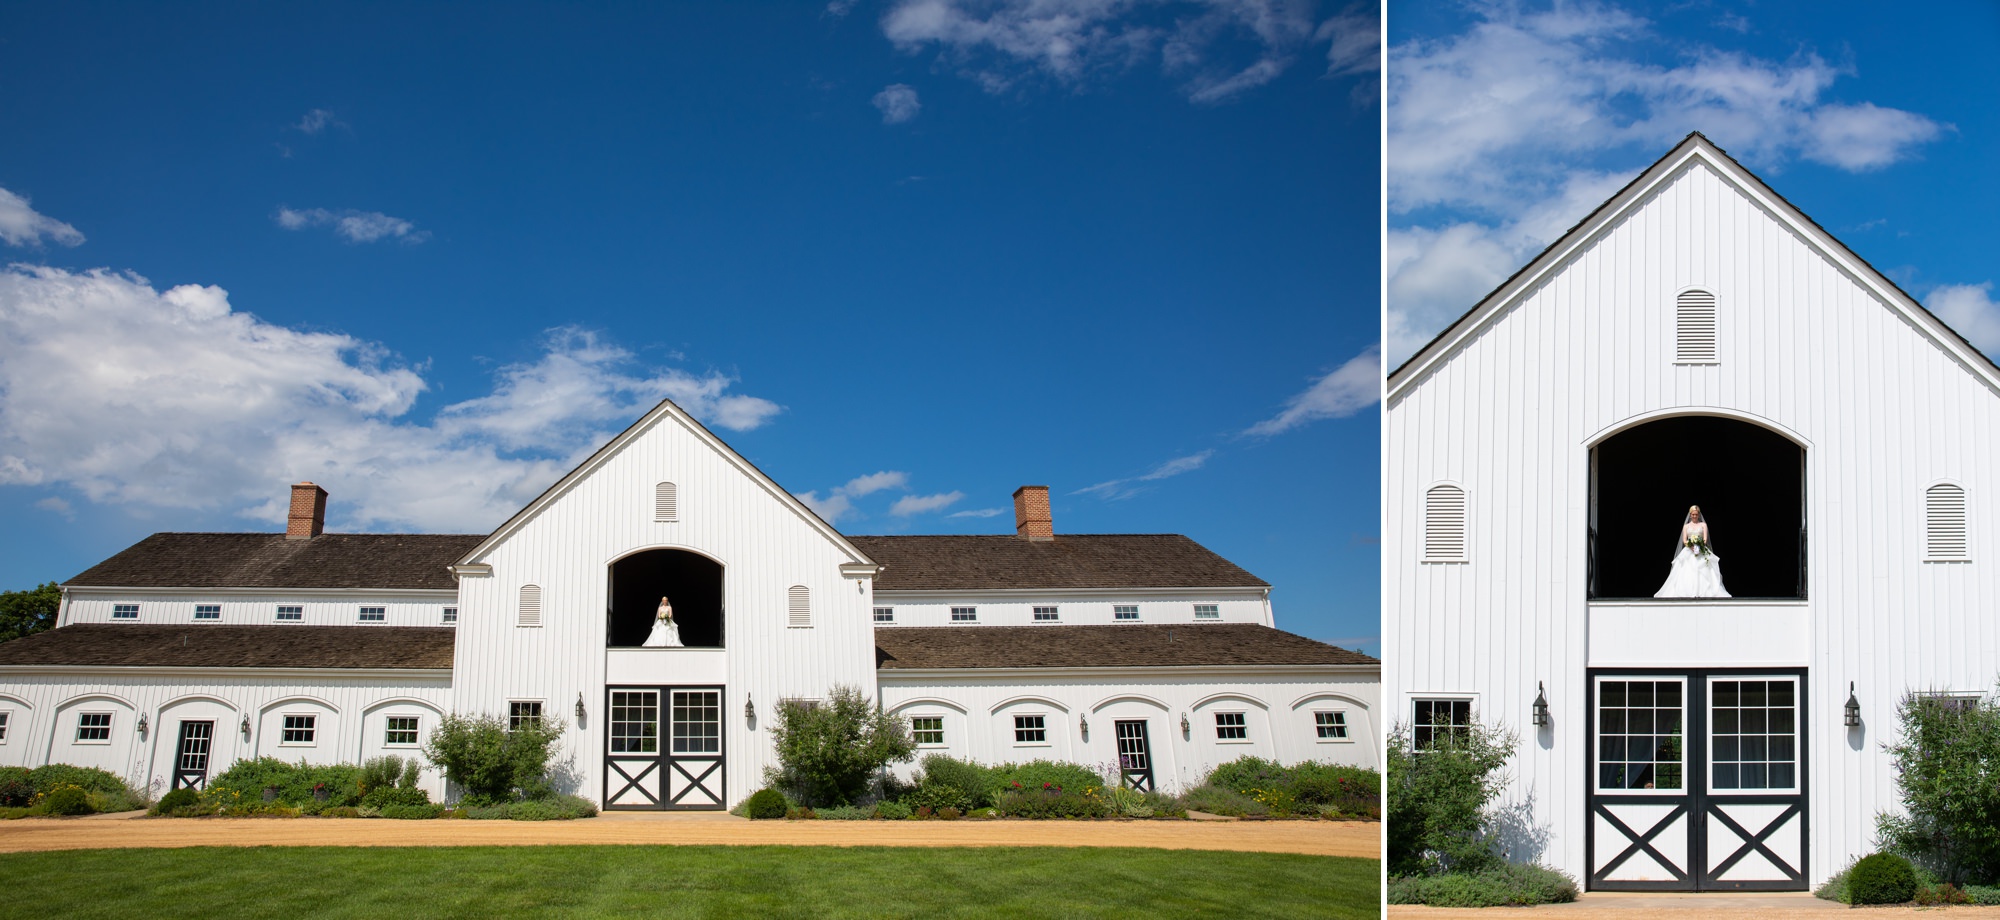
x=978, y=710
x=1016, y=608
x=765, y=545
x=320, y=608
x=351, y=710
x=1801, y=344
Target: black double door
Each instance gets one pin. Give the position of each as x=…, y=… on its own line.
x=663, y=749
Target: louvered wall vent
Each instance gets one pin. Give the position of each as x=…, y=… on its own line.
x=531, y=606
x=801, y=606
x=1694, y=328
x=1444, y=524
x=666, y=502
x=1944, y=523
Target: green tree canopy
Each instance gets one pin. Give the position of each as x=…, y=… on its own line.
x=829, y=754
x=27, y=612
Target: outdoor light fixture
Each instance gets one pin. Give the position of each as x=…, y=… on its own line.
x=142, y=725
x=1185, y=727
x=1853, y=707
x=579, y=707
x=1541, y=706
x=246, y=728
x=1083, y=724
x=749, y=708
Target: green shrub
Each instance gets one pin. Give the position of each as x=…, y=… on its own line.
x=552, y=808
x=1883, y=878
x=892, y=811
x=766, y=804
x=1946, y=759
x=176, y=800
x=801, y=814
x=1438, y=797
x=830, y=754
x=1931, y=895
x=411, y=812
x=1037, y=774
x=1246, y=773
x=1983, y=894
x=299, y=785
x=399, y=796
x=485, y=812
x=975, y=783
x=1051, y=801
x=341, y=811
x=16, y=789
x=491, y=763
x=1132, y=803
x=846, y=813
x=937, y=795
x=389, y=772
x=1215, y=800
x=1502, y=885
x=9, y=814
x=65, y=800
x=947, y=814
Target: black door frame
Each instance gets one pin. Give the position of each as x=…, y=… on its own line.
x=193, y=779
x=1699, y=801
x=1141, y=779
x=703, y=771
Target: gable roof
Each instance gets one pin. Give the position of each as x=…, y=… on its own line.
x=919, y=563
x=632, y=433
x=269, y=560
x=148, y=645
x=1124, y=646
x=1696, y=147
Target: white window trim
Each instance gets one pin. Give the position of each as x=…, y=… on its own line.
x=1219, y=713
x=278, y=615
x=450, y=615
x=1115, y=618
x=1045, y=742
x=402, y=744
x=1596, y=776
x=940, y=731
x=199, y=618
x=544, y=704
x=951, y=612
x=115, y=608
x=876, y=615
x=1708, y=713
x=1343, y=723
x=314, y=716
x=1197, y=612
x=6, y=725
x=362, y=613
x=110, y=722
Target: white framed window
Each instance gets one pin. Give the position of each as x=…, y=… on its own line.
x=965, y=614
x=1641, y=726
x=291, y=614
x=299, y=730
x=1232, y=726
x=1444, y=524
x=885, y=614
x=1125, y=612
x=6, y=716
x=666, y=502
x=1694, y=328
x=927, y=730
x=93, y=728
x=401, y=731
x=1207, y=612
x=1435, y=721
x=1961, y=702
x=1330, y=724
x=529, y=614
x=1945, y=537
x=208, y=611
x=451, y=614
x=522, y=712
x=1045, y=615
x=1753, y=735
x=1031, y=729
x=799, y=603
x=124, y=611
x=374, y=614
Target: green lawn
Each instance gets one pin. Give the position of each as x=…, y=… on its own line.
x=597, y=881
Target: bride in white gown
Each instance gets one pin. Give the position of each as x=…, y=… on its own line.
x=666, y=633
x=1697, y=569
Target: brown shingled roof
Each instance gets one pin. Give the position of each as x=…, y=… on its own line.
x=1165, y=560
x=150, y=645
x=268, y=560
x=1130, y=646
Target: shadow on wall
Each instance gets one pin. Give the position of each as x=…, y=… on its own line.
x=1514, y=833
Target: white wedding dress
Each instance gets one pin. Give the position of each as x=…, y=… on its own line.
x=666, y=634
x=1694, y=575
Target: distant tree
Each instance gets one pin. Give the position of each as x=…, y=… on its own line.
x=28, y=612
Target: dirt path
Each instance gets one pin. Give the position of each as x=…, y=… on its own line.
x=1318, y=838
x=1606, y=906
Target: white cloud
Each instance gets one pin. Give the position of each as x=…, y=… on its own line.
x=134, y=396
x=830, y=509
x=21, y=225
x=316, y=121
x=1495, y=134
x=1971, y=310
x=1354, y=41
x=1116, y=489
x=840, y=8
x=1344, y=391
x=978, y=513
x=839, y=501
x=898, y=103
x=355, y=226
x=924, y=504
x=1203, y=44
x=876, y=482
x=57, y=505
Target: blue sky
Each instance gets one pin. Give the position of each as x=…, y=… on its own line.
x=1508, y=122
x=905, y=256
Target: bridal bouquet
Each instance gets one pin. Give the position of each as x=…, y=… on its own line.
x=1698, y=543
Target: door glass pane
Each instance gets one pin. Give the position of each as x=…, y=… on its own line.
x=1639, y=734
x=1753, y=739
x=697, y=721
x=635, y=721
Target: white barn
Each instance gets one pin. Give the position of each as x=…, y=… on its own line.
x=1695, y=340
x=186, y=652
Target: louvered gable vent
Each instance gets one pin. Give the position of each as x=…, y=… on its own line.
x=1694, y=328
x=1944, y=523
x=666, y=502
x=801, y=604
x=531, y=606
x=1444, y=524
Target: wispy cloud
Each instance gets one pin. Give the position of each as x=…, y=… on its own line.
x=21, y=225
x=353, y=226
x=839, y=501
x=897, y=103
x=1117, y=489
x=316, y=121
x=1344, y=391
x=924, y=504
x=1970, y=309
x=840, y=8
x=978, y=513
x=57, y=505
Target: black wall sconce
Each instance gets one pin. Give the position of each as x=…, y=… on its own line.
x=1541, y=706
x=246, y=728
x=579, y=707
x=1853, y=707
x=142, y=726
x=749, y=709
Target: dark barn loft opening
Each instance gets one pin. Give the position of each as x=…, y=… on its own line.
x=691, y=580
x=1748, y=480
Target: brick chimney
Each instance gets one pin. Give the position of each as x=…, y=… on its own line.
x=1031, y=514
x=308, y=517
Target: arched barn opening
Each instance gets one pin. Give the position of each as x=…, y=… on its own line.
x=692, y=581
x=1748, y=480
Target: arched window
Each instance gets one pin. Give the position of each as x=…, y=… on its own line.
x=666, y=502
x=1444, y=524
x=801, y=606
x=1694, y=328
x=531, y=606
x=1944, y=523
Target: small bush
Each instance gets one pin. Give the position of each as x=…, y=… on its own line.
x=1883, y=878
x=65, y=800
x=1835, y=886
x=1945, y=758
x=1215, y=800
x=176, y=800
x=974, y=783
x=846, y=813
x=492, y=763
x=297, y=785
x=16, y=791
x=1982, y=894
x=766, y=804
x=1037, y=774
x=1505, y=885
x=936, y=795
x=1246, y=773
x=341, y=811
x=892, y=811
x=396, y=796
x=1929, y=895
x=89, y=779
x=411, y=812
x=1052, y=801
x=1437, y=817
x=831, y=754
x=552, y=808
x=947, y=813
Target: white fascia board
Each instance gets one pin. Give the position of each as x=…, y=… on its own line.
x=1040, y=676
x=317, y=674
x=859, y=570
x=471, y=570
x=640, y=427
x=413, y=593
x=1016, y=594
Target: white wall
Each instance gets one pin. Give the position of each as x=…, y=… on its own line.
x=1016, y=608
x=258, y=608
